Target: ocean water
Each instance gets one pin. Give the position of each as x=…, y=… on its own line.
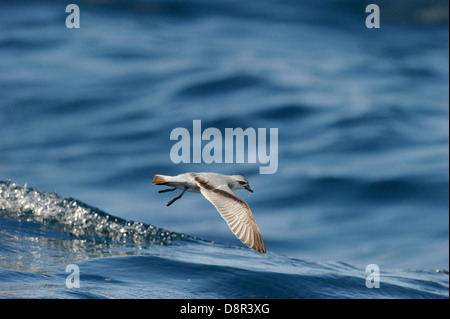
x=363, y=148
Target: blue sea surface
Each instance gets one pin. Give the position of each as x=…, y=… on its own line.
x=363, y=148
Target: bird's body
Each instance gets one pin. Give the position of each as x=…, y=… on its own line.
x=218, y=189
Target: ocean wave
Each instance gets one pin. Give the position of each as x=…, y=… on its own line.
x=76, y=218
x=43, y=232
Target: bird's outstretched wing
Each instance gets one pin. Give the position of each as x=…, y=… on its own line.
x=235, y=211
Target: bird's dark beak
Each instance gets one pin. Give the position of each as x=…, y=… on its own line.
x=249, y=189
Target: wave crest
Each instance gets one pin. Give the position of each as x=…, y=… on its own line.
x=69, y=215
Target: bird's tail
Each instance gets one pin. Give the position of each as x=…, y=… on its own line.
x=160, y=180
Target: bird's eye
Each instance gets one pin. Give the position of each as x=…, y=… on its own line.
x=241, y=182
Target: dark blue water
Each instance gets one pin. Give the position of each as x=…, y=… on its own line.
x=363, y=148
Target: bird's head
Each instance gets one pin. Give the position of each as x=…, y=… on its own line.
x=240, y=182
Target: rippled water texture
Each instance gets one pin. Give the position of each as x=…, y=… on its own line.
x=116, y=258
x=363, y=147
